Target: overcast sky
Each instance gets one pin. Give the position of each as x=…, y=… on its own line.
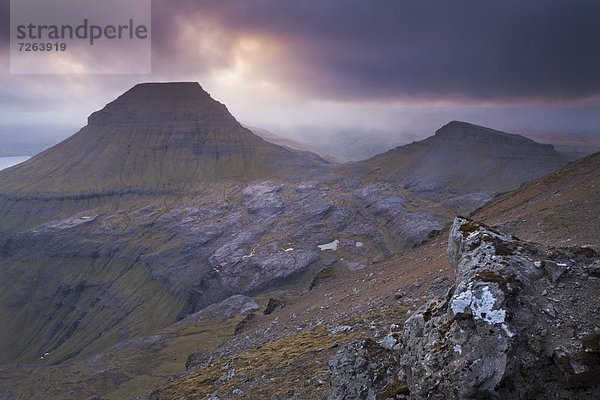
x=306, y=68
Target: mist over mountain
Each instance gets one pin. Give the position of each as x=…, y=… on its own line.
x=302, y=148
x=304, y=200
x=574, y=146
x=30, y=140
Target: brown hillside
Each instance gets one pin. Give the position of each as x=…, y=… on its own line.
x=560, y=209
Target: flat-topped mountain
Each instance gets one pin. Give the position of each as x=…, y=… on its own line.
x=463, y=157
x=173, y=104
x=470, y=133
x=154, y=136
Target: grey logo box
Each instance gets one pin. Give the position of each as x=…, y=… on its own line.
x=80, y=37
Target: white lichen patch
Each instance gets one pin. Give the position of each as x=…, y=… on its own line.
x=462, y=301
x=578, y=367
x=481, y=307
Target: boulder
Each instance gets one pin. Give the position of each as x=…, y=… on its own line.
x=362, y=370
x=496, y=334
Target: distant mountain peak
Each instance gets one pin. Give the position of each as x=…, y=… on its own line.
x=161, y=102
x=458, y=125
x=464, y=157
x=166, y=93
x=470, y=133
x=174, y=88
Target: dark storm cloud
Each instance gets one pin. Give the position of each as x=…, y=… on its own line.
x=391, y=49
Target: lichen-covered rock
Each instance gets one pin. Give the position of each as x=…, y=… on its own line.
x=512, y=327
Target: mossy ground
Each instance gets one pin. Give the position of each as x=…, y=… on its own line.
x=124, y=371
x=292, y=367
x=286, y=368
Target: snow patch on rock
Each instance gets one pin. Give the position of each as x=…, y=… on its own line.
x=329, y=246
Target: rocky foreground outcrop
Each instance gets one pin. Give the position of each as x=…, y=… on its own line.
x=521, y=321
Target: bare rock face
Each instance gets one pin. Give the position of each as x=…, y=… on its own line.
x=521, y=322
